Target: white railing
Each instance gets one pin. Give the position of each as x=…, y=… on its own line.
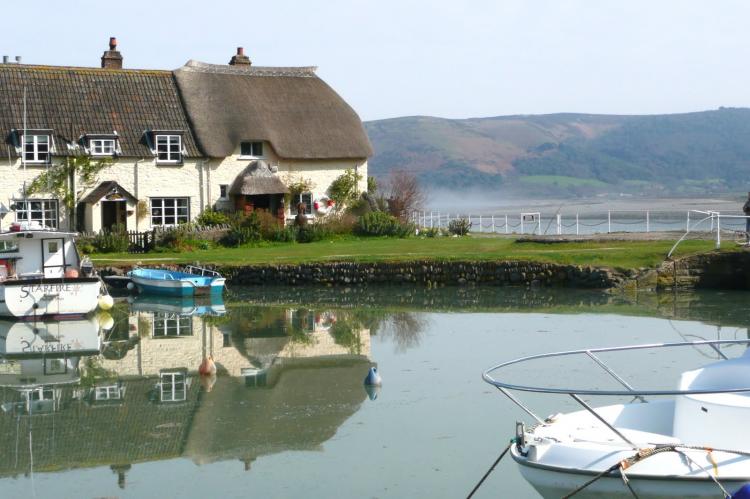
x=608, y=221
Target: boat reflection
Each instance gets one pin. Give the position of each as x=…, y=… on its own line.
x=136, y=388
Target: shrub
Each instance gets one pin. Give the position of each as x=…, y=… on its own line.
x=343, y=189
x=211, y=217
x=268, y=224
x=244, y=229
x=378, y=223
x=283, y=234
x=459, y=226
x=316, y=231
x=430, y=232
x=111, y=241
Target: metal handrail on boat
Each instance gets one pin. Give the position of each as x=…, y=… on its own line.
x=629, y=390
x=192, y=269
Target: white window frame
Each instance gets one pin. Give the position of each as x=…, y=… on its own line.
x=107, y=392
x=308, y=206
x=37, y=156
x=171, y=326
x=102, y=147
x=168, y=149
x=225, y=189
x=159, y=207
x=48, y=213
x=169, y=382
x=252, y=154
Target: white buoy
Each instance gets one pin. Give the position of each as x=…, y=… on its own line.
x=106, y=321
x=130, y=286
x=106, y=302
x=373, y=378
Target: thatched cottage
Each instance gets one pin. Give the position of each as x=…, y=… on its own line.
x=232, y=137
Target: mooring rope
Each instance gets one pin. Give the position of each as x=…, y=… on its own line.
x=492, y=468
x=652, y=451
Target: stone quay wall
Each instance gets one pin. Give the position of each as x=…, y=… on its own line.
x=430, y=274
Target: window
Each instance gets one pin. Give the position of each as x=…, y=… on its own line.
x=307, y=199
x=102, y=147
x=109, y=392
x=166, y=325
x=36, y=149
x=223, y=191
x=251, y=149
x=168, y=212
x=168, y=149
x=173, y=387
x=42, y=211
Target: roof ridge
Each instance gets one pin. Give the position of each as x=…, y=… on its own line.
x=204, y=67
x=47, y=67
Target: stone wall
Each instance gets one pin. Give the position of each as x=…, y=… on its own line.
x=425, y=273
x=706, y=271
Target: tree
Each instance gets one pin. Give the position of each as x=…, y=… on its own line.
x=68, y=180
x=343, y=189
x=403, y=194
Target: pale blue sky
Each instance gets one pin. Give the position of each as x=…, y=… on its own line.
x=453, y=59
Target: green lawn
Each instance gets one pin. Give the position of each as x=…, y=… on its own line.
x=619, y=254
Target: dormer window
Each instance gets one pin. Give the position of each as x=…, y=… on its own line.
x=102, y=145
x=36, y=148
x=251, y=149
x=168, y=149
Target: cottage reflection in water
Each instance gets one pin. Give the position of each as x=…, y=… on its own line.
x=115, y=391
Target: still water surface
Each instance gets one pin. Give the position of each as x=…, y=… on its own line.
x=287, y=415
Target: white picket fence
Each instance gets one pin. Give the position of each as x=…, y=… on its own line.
x=588, y=223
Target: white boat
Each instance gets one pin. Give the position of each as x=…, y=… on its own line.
x=693, y=444
x=42, y=275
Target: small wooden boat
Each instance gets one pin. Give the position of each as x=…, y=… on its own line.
x=43, y=276
x=191, y=281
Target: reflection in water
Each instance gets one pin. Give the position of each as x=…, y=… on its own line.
x=110, y=392
x=136, y=389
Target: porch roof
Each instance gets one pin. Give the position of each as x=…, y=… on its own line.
x=105, y=188
x=257, y=179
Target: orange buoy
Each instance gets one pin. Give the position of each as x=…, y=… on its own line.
x=207, y=367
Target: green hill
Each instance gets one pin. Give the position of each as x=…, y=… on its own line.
x=688, y=153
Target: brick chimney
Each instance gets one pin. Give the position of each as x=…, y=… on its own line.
x=112, y=59
x=240, y=58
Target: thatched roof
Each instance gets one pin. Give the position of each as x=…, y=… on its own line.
x=297, y=112
x=77, y=101
x=257, y=179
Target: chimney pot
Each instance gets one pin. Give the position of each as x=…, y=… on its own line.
x=112, y=59
x=5, y=59
x=240, y=58
x=18, y=59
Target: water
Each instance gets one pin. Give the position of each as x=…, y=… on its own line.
x=288, y=415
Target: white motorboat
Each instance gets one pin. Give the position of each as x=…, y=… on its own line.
x=43, y=276
x=690, y=442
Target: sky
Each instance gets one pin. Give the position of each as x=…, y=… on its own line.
x=446, y=58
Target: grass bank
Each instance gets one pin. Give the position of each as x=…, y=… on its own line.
x=615, y=254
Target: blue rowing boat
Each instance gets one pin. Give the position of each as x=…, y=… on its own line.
x=191, y=281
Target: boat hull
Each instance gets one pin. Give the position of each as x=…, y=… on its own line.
x=177, y=287
x=54, y=298
x=552, y=482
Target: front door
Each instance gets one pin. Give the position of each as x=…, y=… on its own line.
x=113, y=213
x=53, y=256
